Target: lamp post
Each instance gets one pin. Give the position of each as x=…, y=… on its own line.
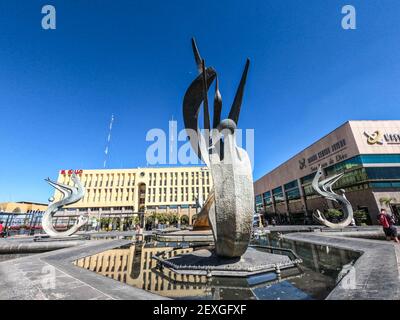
x=98, y=226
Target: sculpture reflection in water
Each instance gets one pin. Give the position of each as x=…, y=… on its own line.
x=324, y=188
x=229, y=208
x=70, y=195
x=134, y=265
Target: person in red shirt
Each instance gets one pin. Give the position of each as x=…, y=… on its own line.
x=1, y=229
x=387, y=223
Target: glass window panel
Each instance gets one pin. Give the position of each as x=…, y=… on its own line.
x=291, y=185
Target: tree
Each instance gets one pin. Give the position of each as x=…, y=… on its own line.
x=104, y=223
x=130, y=222
x=386, y=201
x=184, y=220
x=161, y=218
x=361, y=217
x=333, y=214
x=150, y=219
x=134, y=220
x=173, y=218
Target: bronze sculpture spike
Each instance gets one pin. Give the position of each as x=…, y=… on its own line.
x=237, y=102
x=197, y=56
x=206, y=114
x=217, y=105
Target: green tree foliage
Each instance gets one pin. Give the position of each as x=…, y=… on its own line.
x=163, y=218
x=333, y=214
x=361, y=217
x=185, y=220
x=386, y=201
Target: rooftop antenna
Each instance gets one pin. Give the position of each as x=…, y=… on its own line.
x=106, y=151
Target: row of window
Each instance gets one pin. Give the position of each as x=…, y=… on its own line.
x=109, y=195
x=183, y=182
x=359, y=160
x=107, y=180
x=310, y=194
x=174, y=195
x=356, y=175
x=128, y=179
x=164, y=207
x=103, y=209
x=183, y=177
x=154, y=175
x=389, y=184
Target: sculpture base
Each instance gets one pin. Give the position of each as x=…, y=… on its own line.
x=206, y=262
x=186, y=236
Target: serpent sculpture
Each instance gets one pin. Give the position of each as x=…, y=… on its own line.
x=324, y=188
x=229, y=207
x=70, y=195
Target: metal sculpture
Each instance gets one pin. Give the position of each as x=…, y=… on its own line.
x=324, y=188
x=70, y=195
x=229, y=207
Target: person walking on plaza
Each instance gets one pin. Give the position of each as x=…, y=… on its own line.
x=138, y=232
x=387, y=223
x=1, y=229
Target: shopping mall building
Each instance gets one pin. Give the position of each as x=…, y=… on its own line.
x=118, y=192
x=367, y=151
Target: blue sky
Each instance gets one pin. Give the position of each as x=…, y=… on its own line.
x=133, y=59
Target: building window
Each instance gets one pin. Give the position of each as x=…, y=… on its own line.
x=307, y=179
x=385, y=185
x=259, y=203
x=383, y=173
x=278, y=194
x=293, y=194
x=267, y=198
x=291, y=185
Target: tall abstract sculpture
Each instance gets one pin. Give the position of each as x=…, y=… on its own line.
x=70, y=195
x=229, y=207
x=324, y=188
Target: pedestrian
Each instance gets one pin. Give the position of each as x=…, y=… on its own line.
x=387, y=223
x=273, y=222
x=1, y=229
x=138, y=233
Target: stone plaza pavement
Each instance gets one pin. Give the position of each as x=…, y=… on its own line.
x=52, y=276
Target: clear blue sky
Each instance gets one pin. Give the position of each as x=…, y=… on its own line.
x=133, y=58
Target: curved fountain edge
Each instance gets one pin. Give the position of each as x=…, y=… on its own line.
x=377, y=270
x=22, y=278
